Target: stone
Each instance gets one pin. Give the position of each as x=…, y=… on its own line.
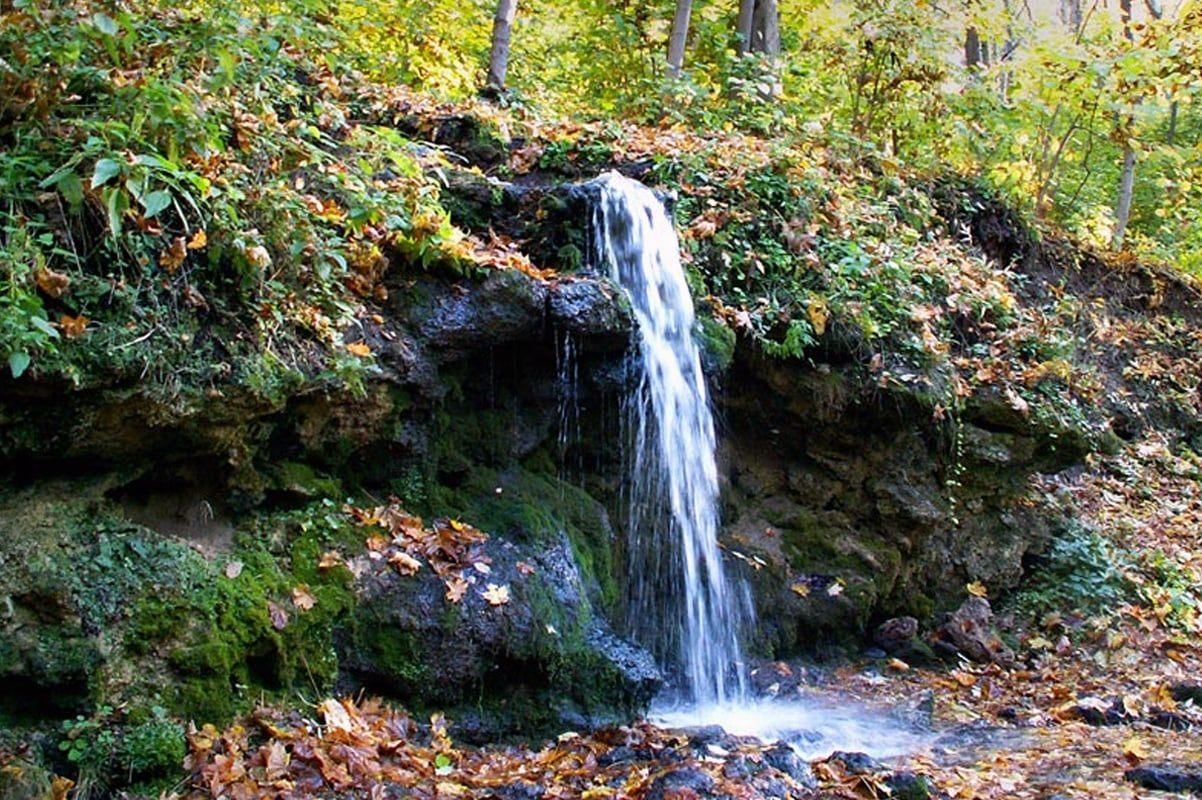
x=856, y=763
x=1167, y=777
x=784, y=758
x=1187, y=691
x=969, y=630
x=892, y=633
x=678, y=782
x=908, y=786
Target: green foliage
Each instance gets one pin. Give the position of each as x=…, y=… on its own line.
x=211, y=172
x=1080, y=572
x=155, y=746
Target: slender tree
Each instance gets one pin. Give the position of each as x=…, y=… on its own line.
x=502, y=30
x=1122, y=208
x=679, y=36
x=759, y=27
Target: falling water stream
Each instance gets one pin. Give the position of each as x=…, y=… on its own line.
x=680, y=603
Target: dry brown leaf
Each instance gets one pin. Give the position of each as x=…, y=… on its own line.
x=456, y=588
x=302, y=598
x=404, y=563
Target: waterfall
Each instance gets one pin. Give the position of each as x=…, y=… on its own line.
x=679, y=604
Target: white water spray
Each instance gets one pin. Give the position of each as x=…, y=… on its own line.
x=680, y=605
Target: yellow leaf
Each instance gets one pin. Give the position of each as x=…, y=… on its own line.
x=1134, y=750
x=198, y=240
x=818, y=312
x=801, y=589
x=496, y=595
x=977, y=589
x=358, y=349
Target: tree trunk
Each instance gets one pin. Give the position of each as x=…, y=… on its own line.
x=1122, y=208
x=765, y=37
x=502, y=28
x=679, y=36
x=1122, y=211
x=972, y=48
x=746, y=20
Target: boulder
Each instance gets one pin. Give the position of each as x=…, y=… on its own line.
x=969, y=631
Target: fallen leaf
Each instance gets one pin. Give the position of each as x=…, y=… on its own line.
x=329, y=560
x=977, y=589
x=302, y=598
x=60, y=786
x=1134, y=750
x=456, y=587
x=335, y=715
x=835, y=589
x=524, y=568
x=358, y=349
x=404, y=563
x=801, y=589
x=496, y=595
x=279, y=617
x=233, y=569
x=173, y=256
x=198, y=240
x=897, y=665
x=276, y=760
x=73, y=327
x=52, y=283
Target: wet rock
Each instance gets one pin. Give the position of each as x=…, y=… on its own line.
x=785, y=758
x=507, y=306
x=856, y=763
x=519, y=790
x=705, y=734
x=1098, y=712
x=1167, y=777
x=875, y=653
x=680, y=783
x=617, y=755
x=909, y=786
x=1187, y=692
x=550, y=661
x=1170, y=720
x=593, y=308
x=969, y=632
x=893, y=633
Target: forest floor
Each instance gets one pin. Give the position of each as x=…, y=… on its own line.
x=1089, y=699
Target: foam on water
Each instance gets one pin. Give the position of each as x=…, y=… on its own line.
x=815, y=729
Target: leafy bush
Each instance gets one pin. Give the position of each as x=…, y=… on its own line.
x=1080, y=572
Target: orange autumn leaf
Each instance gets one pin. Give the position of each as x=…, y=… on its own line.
x=73, y=327
x=198, y=240
x=358, y=349
x=173, y=256
x=52, y=283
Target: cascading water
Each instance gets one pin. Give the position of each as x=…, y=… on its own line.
x=680, y=604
